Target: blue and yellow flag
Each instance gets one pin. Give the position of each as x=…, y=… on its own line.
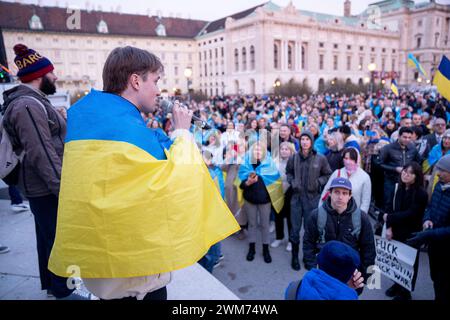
x=394, y=87
x=132, y=202
x=442, y=78
x=268, y=171
x=414, y=63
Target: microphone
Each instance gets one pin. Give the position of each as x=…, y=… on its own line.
x=167, y=105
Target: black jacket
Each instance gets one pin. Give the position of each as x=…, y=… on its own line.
x=393, y=156
x=339, y=227
x=335, y=160
x=406, y=213
x=257, y=192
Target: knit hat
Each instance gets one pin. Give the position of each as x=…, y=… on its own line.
x=339, y=260
x=444, y=163
x=30, y=63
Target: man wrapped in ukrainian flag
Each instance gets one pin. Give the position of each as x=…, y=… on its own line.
x=134, y=204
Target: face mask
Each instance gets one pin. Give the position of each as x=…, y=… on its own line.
x=350, y=166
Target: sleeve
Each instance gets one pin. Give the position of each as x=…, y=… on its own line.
x=440, y=234
x=309, y=241
x=366, y=193
x=290, y=171
x=32, y=128
x=384, y=156
x=325, y=171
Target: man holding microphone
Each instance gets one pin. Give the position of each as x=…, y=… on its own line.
x=134, y=203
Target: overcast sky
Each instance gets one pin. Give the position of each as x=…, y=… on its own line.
x=206, y=9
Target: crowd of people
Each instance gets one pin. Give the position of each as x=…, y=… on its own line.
x=324, y=163
x=386, y=146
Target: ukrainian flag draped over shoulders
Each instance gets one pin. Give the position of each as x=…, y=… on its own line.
x=132, y=202
x=268, y=171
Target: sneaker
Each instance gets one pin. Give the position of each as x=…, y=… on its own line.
x=20, y=207
x=218, y=263
x=79, y=295
x=221, y=257
x=289, y=247
x=276, y=243
x=4, y=249
x=272, y=227
x=50, y=294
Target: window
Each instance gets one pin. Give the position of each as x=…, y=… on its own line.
x=102, y=27
x=210, y=53
x=437, y=21
x=419, y=42
x=394, y=51
x=252, y=58
x=383, y=64
x=290, y=62
x=303, y=58
x=35, y=23
x=175, y=56
x=321, y=45
x=244, y=59
x=335, y=46
x=275, y=56
x=335, y=62
x=190, y=56
x=419, y=23
x=216, y=52
x=372, y=49
x=175, y=70
x=200, y=56
x=349, y=47
x=349, y=63
x=161, y=30
x=361, y=63
x=206, y=70
x=393, y=65
x=321, y=62
x=383, y=50
x=436, y=39
x=236, y=60
x=204, y=55
x=361, y=48
x=222, y=52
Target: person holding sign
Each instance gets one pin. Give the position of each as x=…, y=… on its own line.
x=404, y=217
x=436, y=232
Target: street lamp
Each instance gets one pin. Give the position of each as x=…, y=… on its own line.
x=372, y=67
x=188, y=75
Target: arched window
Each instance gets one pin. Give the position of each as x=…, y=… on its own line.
x=244, y=59
x=35, y=23
x=252, y=58
x=275, y=56
x=290, y=62
x=102, y=27
x=161, y=30
x=303, y=58
x=236, y=60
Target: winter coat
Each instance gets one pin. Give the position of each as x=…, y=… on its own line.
x=40, y=134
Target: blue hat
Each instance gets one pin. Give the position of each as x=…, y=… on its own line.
x=341, y=182
x=339, y=260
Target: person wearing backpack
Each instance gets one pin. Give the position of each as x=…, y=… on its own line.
x=36, y=132
x=339, y=218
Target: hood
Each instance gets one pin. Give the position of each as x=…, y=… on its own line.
x=311, y=137
x=318, y=285
x=18, y=91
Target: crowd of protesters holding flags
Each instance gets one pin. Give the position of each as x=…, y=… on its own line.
x=324, y=162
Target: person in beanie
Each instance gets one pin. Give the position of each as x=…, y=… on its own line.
x=307, y=172
x=436, y=232
x=336, y=277
x=339, y=218
x=36, y=128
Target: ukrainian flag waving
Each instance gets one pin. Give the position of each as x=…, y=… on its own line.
x=132, y=202
x=413, y=62
x=268, y=171
x=442, y=78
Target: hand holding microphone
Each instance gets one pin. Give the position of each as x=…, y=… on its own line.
x=168, y=106
x=182, y=117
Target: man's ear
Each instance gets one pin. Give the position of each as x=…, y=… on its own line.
x=135, y=81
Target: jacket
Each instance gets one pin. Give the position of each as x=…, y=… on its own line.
x=40, y=135
x=406, y=212
x=339, y=227
x=257, y=192
x=318, y=285
x=307, y=175
x=393, y=156
x=438, y=211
